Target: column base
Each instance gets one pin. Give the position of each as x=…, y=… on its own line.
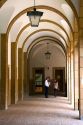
x=2, y=107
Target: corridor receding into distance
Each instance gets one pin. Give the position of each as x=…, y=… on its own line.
x=35, y=52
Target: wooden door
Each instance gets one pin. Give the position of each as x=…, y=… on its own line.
x=59, y=74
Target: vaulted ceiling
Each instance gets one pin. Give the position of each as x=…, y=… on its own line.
x=59, y=21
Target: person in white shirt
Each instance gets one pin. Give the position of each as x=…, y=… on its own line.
x=47, y=83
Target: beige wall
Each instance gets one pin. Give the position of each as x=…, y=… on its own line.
x=38, y=59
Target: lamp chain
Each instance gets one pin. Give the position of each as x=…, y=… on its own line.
x=47, y=46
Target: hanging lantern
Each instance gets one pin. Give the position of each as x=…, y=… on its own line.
x=47, y=54
x=34, y=16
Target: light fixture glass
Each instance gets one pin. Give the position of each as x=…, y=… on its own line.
x=47, y=54
x=34, y=16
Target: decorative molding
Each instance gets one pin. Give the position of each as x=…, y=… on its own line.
x=38, y=40
x=43, y=20
x=70, y=3
x=41, y=30
x=39, y=7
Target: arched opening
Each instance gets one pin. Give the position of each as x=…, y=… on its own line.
x=43, y=67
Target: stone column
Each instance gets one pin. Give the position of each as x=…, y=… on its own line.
x=69, y=77
x=3, y=71
x=81, y=75
x=20, y=74
x=25, y=75
x=76, y=77
x=72, y=73
x=76, y=71
x=28, y=76
x=9, y=84
x=72, y=79
x=81, y=60
x=14, y=89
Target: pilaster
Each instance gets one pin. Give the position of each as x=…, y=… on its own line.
x=81, y=75
x=70, y=92
x=4, y=72
x=28, y=76
x=76, y=71
x=25, y=75
x=81, y=60
x=72, y=80
x=20, y=74
x=14, y=84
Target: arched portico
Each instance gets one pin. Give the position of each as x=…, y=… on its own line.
x=18, y=40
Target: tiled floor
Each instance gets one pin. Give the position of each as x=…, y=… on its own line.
x=41, y=111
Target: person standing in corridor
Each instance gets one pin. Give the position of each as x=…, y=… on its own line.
x=47, y=83
x=56, y=88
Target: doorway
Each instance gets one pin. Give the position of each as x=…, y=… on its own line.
x=59, y=75
x=38, y=76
